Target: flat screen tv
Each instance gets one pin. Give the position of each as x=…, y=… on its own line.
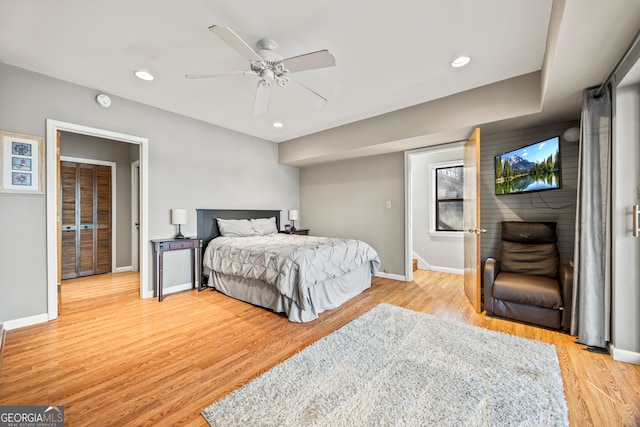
x=535, y=167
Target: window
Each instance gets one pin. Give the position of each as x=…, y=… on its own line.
x=449, y=195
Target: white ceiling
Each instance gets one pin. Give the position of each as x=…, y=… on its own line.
x=389, y=55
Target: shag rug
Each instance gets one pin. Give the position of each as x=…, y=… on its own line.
x=397, y=367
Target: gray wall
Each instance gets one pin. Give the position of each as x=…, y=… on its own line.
x=192, y=165
x=88, y=147
x=348, y=199
x=626, y=248
x=556, y=205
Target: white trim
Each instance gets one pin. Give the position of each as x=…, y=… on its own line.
x=135, y=213
x=123, y=269
x=422, y=263
x=447, y=234
x=624, y=355
x=408, y=217
x=114, y=198
x=25, y=321
x=53, y=126
x=447, y=270
x=391, y=276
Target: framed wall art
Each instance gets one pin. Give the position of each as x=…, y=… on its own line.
x=21, y=163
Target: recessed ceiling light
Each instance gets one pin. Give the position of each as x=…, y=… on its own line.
x=460, y=61
x=144, y=75
x=278, y=125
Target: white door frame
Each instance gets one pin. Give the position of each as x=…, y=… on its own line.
x=53, y=126
x=135, y=213
x=114, y=197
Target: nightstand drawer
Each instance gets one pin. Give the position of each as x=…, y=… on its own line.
x=177, y=244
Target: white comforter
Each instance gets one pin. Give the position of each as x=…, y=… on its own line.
x=291, y=263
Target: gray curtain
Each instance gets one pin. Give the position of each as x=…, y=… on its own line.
x=591, y=311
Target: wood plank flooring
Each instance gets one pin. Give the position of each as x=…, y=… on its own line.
x=114, y=359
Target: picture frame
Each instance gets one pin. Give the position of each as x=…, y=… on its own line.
x=21, y=163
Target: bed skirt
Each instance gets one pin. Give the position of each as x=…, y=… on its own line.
x=323, y=296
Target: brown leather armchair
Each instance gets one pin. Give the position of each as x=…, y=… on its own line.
x=529, y=283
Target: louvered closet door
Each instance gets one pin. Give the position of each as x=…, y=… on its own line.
x=86, y=219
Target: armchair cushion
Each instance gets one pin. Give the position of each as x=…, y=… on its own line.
x=539, y=259
x=526, y=289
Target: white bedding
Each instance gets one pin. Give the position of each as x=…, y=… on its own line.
x=290, y=263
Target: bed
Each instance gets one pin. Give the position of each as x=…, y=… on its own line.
x=247, y=258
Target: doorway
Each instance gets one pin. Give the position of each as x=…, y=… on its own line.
x=433, y=250
x=87, y=217
x=53, y=127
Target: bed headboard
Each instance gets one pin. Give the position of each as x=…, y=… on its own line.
x=208, y=226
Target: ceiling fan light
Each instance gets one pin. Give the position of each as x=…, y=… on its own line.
x=144, y=75
x=460, y=61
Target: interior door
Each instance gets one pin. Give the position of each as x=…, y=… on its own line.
x=472, y=229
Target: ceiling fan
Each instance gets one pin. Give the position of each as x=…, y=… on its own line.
x=270, y=67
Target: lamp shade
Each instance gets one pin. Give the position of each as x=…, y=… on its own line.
x=293, y=215
x=178, y=216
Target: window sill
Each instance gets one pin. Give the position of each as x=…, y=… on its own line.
x=447, y=234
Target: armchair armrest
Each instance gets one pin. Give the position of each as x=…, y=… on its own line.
x=566, y=287
x=491, y=270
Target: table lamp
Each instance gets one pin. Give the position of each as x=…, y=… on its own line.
x=179, y=217
x=293, y=217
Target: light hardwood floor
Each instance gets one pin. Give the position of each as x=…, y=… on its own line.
x=113, y=359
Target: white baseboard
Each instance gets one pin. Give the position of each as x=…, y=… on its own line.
x=391, y=276
x=448, y=270
x=422, y=264
x=123, y=269
x=624, y=355
x=26, y=321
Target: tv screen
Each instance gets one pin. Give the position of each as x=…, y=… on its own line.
x=535, y=167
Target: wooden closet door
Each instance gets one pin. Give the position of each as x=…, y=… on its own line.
x=86, y=219
x=68, y=183
x=102, y=223
x=85, y=204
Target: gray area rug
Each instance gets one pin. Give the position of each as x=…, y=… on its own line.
x=396, y=367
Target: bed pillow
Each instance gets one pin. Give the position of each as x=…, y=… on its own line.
x=235, y=227
x=264, y=226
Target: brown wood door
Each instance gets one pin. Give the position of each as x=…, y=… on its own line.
x=471, y=221
x=86, y=219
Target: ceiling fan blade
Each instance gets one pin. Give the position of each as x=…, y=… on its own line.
x=309, y=61
x=262, y=98
x=308, y=94
x=223, y=74
x=233, y=40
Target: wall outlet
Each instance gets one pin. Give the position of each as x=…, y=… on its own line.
x=388, y=204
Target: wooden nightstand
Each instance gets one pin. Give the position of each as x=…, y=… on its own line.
x=299, y=231
x=163, y=245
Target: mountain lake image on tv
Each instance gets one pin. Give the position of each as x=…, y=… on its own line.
x=535, y=167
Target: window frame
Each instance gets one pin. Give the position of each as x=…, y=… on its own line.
x=433, y=221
